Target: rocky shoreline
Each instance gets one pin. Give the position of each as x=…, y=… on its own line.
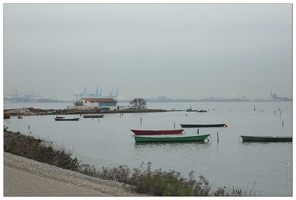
x=36, y=111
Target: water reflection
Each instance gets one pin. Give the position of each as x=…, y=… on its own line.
x=261, y=142
x=170, y=145
x=167, y=143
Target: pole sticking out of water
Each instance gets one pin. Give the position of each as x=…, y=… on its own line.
x=174, y=124
x=141, y=120
x=217, y=137
x=282, y=123
x=198, y=131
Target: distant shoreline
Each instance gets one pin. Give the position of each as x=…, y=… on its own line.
x=165, y=101
x=36, y=111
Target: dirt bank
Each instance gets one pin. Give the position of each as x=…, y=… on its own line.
x=26, y=177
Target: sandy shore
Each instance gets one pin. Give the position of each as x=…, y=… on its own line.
x=25, y=177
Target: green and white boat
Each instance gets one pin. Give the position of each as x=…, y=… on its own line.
x=195, y=138
x=266, y=138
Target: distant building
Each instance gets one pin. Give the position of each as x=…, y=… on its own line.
x=280, y=98
x=95, y=103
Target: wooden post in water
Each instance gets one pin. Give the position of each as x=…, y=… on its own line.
x=217, y=137
x=141, y=120
x=174, y=124
x=198, y=131
x=282, y=123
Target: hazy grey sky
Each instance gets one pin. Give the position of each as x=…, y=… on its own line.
x=148, y=50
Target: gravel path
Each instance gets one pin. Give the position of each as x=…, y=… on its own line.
x=25, y=177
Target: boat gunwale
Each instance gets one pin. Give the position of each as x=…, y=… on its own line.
x=261, y=136
x=67, y=119
x=203, y=125
x=93, y=116
x=157, y=132
x=169, y=138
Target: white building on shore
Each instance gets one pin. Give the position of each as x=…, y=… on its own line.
x=95, y=103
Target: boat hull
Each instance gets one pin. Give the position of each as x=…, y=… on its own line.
x=266, y=138
x=197, y=138
x=93, y=116
x=64, y=119
x=157, y=132
x=202, y=125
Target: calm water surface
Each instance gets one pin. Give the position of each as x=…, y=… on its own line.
x=230, y=162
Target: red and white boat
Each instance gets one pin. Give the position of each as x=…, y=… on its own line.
x=157, y=132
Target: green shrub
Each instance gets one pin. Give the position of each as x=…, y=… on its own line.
x=162, y=183
x=158, y=182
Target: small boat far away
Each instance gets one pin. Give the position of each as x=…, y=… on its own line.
x=190, y=110
x=66, y=119
x=195, y=138
x=202, y=125
x=93, y=116
x=157, y=132
x=266, y=138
